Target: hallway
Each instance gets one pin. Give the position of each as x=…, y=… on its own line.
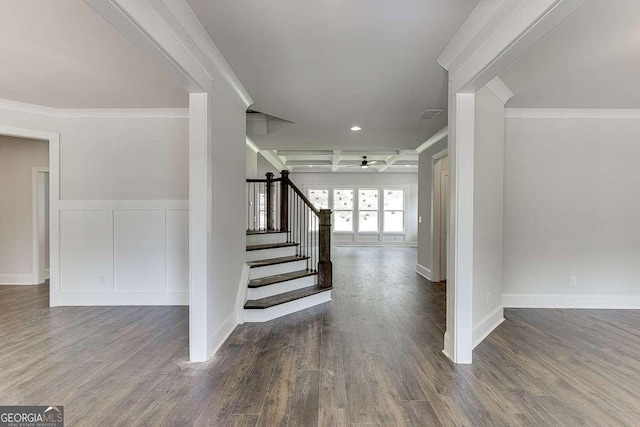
x=371, y=356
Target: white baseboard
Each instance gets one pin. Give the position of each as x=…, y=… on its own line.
x=220, y=336
x=488, y=323
x=47, y=274
x=122, y=298
x=241, y=297
x=448, y=346
x=425, y=272
x=611, y=302
x=17, y=279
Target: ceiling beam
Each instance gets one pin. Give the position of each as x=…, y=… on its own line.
x=392, y=159
x=335, y=160
x=269, y=156
x=442, y=133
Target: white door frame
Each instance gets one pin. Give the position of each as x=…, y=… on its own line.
x=54, y=202
x=436, y=220
x=38, y=216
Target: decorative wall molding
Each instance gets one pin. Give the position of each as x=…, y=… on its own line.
x=496, y=33
x=500, y=90
x=123, y=298
x=570, y=113
x=95, y=113
x=17, y=279
x=73, y=205
x=484, y=327
x=609, y=302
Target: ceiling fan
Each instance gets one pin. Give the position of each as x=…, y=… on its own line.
x=364, y=164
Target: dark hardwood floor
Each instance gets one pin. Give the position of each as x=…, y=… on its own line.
x=370, y=357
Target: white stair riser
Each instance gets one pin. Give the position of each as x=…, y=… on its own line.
x=272, y=270
x=266, y=314
x=271, y=253
x=263, y=239
x=280, y=288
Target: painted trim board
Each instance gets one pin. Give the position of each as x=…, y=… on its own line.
x=604, y=302
x=484, y=327
x=17, y=279
x=95, y=113
x=130, y=298
x=569, y=113
x=220, y=336
x=425, y=272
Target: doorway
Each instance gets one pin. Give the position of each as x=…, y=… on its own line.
x=440, y=215
x=24, y=190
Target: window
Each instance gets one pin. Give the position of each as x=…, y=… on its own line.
x=320, y=200
x=368, y=205
x=393, y=211
x=343, y=210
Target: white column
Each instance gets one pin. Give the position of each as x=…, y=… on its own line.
x=458, y=344
x=200, y=214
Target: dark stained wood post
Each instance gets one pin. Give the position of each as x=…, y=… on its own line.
x=284, y=201
x=269, y=201
x=325, y=268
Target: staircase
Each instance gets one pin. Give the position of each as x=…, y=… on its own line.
x=288, y=250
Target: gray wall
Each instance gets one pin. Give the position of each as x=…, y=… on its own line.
x=572, y=209
x=17, y=157
x=488, y=205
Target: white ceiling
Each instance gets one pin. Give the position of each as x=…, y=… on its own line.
x=60, y=53
x=592, y=60
x=327, y=65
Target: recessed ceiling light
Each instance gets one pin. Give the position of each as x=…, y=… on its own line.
x=407, y=166
x=310, y=166
x=364, y=167
x=356, y=128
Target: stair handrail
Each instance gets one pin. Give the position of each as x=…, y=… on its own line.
x=325, y=267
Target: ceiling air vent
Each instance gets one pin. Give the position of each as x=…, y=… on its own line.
x=430, y=113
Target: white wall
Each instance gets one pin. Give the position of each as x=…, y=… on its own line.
x=409, y=181
x=17, y=157
x=264, y=166
x=229, y=213
x=251, y=163
x=572, y=209
x=425, y=188
x=123, y=207
x=487, y=213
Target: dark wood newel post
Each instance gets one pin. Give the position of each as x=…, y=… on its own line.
x=269, y=201
x=284, y=201
x=325, y=269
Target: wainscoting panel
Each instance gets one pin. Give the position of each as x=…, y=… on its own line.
x=177, y=229
x=86, y=251
x=139, y=252
x=124, y=252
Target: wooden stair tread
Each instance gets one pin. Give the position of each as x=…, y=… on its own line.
x=271, y=246
x=274, y=261
x=279, y=278
x=274, y=300
x=253, y=232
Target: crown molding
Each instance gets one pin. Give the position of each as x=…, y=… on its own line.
x=94, y=113
x=441, y=134
x=570, y=113
x=496, y=33
x=500, y=90
x=170, y=33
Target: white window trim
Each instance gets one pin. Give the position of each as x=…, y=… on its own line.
x=356, y=211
